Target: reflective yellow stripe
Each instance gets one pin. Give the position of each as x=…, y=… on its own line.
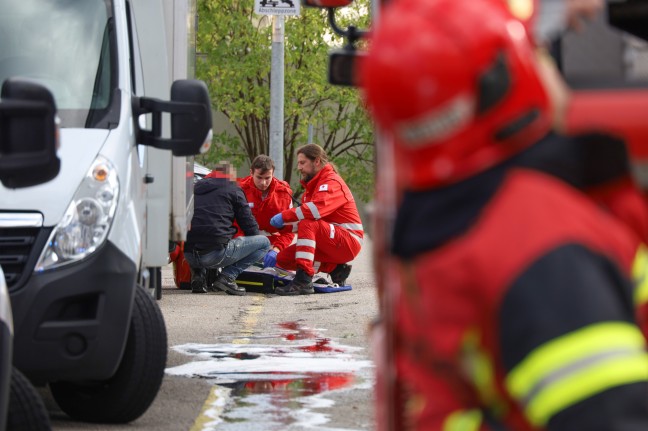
x=640, y=275
x=479, y=368
x=463, y=420
x=521, y=9
x=250, y=283
x=576, y=366
x=586, y=383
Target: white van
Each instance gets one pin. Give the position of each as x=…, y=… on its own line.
x=77, y=252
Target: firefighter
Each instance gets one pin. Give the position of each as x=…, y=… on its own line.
x=511, y=293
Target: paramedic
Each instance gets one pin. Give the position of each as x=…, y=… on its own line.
x=328, y=226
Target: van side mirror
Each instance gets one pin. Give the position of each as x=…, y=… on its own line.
x=326, y=3
x=28, y=134
x=191, y=119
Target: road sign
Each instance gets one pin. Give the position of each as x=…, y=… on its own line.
x=277, y=7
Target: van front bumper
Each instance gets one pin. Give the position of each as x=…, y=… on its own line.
x=71, y=323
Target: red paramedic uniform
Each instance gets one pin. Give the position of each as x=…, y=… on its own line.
x=278, y=198
x=328, y=226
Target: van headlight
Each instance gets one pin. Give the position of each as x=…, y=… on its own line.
x=87, y=220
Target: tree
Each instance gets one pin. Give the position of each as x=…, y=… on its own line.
x=234, y=46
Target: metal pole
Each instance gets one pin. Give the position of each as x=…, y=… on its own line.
x=277, y=96
x=310, y=134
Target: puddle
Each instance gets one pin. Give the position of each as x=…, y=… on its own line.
x=276, y=386
x=311, y=384
x=224, y=363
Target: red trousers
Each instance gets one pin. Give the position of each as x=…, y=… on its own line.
x=320, y=247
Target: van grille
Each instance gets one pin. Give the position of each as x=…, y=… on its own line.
x=19, y=248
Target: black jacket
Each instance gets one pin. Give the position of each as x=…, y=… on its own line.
x=217, y=203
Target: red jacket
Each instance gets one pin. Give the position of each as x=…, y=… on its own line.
x=486, y=312
x=279, y=198
x=327, y=197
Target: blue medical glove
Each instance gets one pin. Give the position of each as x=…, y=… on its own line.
x=270, y=259
x=277, y=221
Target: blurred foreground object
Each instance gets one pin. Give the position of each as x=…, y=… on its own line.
x=506, y=291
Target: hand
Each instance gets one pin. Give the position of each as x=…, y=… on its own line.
x=277, y=221
x=270, y=259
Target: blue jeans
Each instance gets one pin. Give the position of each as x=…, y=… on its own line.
x=240, y=253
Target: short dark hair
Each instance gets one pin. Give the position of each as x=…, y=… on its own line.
x=263, y=163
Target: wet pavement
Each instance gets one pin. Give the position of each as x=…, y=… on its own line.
x=274, y=386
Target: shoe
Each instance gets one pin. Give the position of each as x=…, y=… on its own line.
x=302, y=284
x=198, y=281
x=227, y=285
x=212, y=275
x=340, y=274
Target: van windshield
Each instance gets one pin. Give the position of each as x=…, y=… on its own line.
x=66, y=46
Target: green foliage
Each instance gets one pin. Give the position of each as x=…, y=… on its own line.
x=224, y=147
x=235, y=51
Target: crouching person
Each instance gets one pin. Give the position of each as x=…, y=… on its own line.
x=218, y=202
x=328, y=226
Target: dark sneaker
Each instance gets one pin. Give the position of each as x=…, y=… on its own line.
x=227, y=285
x=340, y=274
x=198, y=281
x=302, y=284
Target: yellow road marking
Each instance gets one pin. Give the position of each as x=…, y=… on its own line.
x=212, y=409
x=251, y=319
x=214, y=405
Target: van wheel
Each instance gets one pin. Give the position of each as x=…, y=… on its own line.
x=27, y=411
x=129, y=393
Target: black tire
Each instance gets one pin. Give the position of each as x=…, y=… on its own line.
x=129, y=393
x=27, y=411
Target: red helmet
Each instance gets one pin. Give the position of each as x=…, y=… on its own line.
x=455, y=83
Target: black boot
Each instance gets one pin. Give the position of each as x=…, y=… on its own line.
x=212, y=275
x=226, y=284
x=302, y=284
x=340, y=274
x=198, y=280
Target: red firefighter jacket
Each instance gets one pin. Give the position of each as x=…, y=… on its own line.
x=279, y=198
x=515, y=309
x=327, y=197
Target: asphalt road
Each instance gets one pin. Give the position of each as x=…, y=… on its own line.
x=262, y=362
